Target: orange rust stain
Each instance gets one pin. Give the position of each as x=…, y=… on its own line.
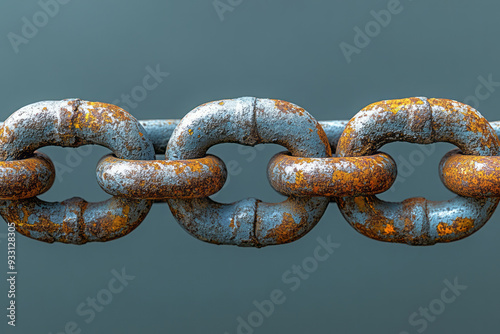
x=118, y=222
x=180, y=167
x=285, y=232
x=361, y=204
x=300, y=181
x=26, y=214
x=377, y=228
x=444, y=229
x=381, y=224
x=196, y=167
x=221, y=103
x=459, y=226
x=24, y=182
x=394, y=106
x=463, y=177
x=108, y=107
x=409, y=225
x=231, y=225
x=190, y=132
x=367, y=175
x=288, y=107
x=41, y=224
x=389, y=229
x=473, y=122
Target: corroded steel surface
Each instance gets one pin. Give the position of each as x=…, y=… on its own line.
x=307, y=173
x=26, y=178
x=75, y=221
x=332, y=177
x=72, y=123
x=248, y=121
x=161, y=179
x=417, y=120
x=471, y=176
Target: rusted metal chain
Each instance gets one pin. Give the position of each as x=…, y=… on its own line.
x=72, y=123
x=308, y=173
x=424, y=121
x=248, y=121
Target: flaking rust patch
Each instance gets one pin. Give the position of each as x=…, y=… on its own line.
x=459, y=226
x=285, y=232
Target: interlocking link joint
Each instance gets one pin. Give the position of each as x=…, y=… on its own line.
x=72, y=123
x=308, y=173
x=248, y=121
x=417, y=120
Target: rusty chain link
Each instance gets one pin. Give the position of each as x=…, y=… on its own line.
x=307, y=172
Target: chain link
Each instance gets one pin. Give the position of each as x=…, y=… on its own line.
x=307, y=172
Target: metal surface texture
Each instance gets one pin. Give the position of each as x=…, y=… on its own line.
x=471, y=176
x=307, y=172
x=417, y=221
x=72, y=123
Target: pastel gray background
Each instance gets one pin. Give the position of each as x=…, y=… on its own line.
x=289, y=50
